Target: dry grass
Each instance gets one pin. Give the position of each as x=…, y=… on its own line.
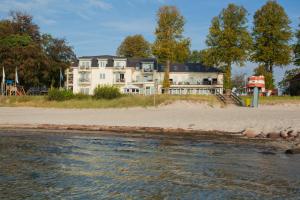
x=277, y=100
x=123, y=102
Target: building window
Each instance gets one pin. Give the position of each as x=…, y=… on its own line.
x=102, y=76
x=84, y=90
x=84, y=64
x=148, y=67
x=102, y=64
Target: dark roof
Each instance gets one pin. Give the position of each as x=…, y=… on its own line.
x=190, y=67
x=136, y=62
x=101, y=57
x=94, y=59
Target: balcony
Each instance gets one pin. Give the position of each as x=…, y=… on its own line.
x=147, y=70
x=84, y=68
x=84, y=81
x=119, y=81
x=118, y=69
x=199, y=83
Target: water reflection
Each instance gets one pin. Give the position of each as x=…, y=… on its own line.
x=43, y=166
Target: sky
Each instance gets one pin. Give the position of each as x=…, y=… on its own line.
x=97, y=27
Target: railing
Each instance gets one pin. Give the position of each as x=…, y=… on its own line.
x=195, y=83
x=84, y=80
x=221, y=97
x=85, y=68
x=147, y=70
x=237, y=99
x=120, y=81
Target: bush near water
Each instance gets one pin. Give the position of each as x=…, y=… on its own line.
x=107, y=92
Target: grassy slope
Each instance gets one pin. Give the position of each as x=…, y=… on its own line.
x=275, y=100
x=129, y=101
x=123, y=102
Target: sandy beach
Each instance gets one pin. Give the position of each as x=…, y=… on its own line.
x=183, y=115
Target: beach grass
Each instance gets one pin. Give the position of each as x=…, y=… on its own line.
x=88, y=102
x=276, y=100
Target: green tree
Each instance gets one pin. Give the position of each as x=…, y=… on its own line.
x=170, y=45
x=271, y=35
x=297, y=49
x=228, y=41
x=196, y=56
x=134, y=47
x=37, y=56
x=284, y=83
x=59, y=55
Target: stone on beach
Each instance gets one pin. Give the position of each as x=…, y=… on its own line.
x=273, y=135
x=250, y=133
x=293, y=151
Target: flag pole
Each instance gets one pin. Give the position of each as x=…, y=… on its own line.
x=3, y=81
x=60, y=74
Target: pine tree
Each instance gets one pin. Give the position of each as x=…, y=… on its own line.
x=228, y=41
x=271, y=35
x=170, y=46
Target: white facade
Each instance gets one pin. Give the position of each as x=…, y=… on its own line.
x=142, y=77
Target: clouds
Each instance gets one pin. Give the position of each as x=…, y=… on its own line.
x=43, y=10
x=100, y=4
x=133, y=26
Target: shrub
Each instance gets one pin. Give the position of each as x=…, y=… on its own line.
x=106, y=92
x=59, y=95
x=81, y=96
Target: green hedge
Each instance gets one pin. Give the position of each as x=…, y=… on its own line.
x=59, y=95
x=106, y=92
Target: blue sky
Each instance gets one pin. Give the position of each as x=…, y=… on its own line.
x=95, y=27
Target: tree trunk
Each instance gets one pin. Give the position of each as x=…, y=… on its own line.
x=269, y=80
x=166, y=82
x=227, y=77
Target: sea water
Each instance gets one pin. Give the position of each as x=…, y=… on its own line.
x=46, y=165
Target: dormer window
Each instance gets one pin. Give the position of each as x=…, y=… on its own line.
x=148, y=67
x=120, y=63
x=84, y=64
x=102, y=63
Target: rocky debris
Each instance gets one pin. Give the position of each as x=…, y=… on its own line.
x=284, y=134
x=287, y=134
x=274, y=135
x=293, y=151
x=250, y=133
x=293, y=133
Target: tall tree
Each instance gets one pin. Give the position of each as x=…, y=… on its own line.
x=196, y=56
x=59, y=56
x=228, y=41
x=134, y=47
x=271, y=35
x=297, y=49
x=288, y=75
x=37, y=56
x=170, y=45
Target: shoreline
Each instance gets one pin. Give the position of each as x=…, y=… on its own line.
x=278, y=144
x=270, y=123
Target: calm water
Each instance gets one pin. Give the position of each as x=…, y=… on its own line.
x=52, y=166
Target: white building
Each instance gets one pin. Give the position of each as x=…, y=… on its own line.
x=142, y=76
